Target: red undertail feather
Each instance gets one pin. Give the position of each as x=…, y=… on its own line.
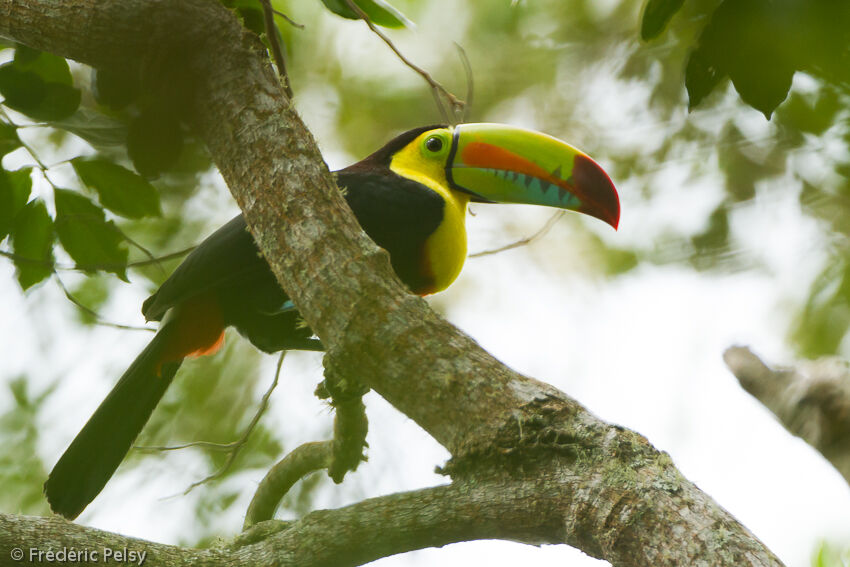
x=199, y=330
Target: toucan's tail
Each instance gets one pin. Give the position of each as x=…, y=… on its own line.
x=99, y=448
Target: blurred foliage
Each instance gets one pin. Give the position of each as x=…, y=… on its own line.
x=618, y=79
x=21, y=470
x=760, y=44
x=828, y=555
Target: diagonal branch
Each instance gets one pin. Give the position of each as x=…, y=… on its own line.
x=811, y=401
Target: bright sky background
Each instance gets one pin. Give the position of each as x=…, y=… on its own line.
x=643, y=351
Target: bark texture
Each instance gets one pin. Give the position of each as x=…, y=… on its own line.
x=812, y=401
x=529, y=463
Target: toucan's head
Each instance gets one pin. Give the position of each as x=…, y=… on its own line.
x=495, y=163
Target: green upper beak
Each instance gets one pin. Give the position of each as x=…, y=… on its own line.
x=506, y=164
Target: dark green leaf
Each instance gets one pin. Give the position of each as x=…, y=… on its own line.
x=28, y=93
x=380, y=12
x=119, y=189
x=50, y=68
x=9, y=140
x=154, y=141
x=95, y=128
x=252, y=18
x=656, y=14
x=32, y=243
x=742, y=41
x=20, y=88
x=701, y=76
x=15, y=187
x=114, y=88
x=60, y=101
x=93, y=242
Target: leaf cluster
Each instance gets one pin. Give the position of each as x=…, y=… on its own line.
x=759, y=45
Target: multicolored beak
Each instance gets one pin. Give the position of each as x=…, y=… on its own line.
x=505, y=164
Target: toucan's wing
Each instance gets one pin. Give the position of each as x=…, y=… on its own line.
x=224, y=258
x=227, y=278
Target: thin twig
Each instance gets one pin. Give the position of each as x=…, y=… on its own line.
x=98, y=319
x=235, y=446
x=40, y=164
x=470, y=82
x=277, y=52
x=457, y=104
x=97, y=267
x=158, y=259
x=151, y=258
x=289, y=20
x=523, y=241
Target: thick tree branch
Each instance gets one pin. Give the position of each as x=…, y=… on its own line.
x=522, y=450
x=811, y=401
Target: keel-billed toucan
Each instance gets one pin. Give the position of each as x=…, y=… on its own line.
x=410, y=197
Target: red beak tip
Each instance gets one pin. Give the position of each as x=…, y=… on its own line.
x=598, y=189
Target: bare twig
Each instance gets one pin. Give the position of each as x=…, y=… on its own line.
x=457, y=105
x=277, y=51
x=96, y=267
x=151, y=258
x=470, y=82
x=523, y=241
x=233, y=447
x=289, y=20
x=42, y=167
x=156, y=260
x=98, y=319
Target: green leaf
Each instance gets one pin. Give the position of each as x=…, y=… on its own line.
x=32, y=243
x=60, y=101
x=741, y=41
x=50, y=68
x=154, y=141
x=9, y=140
x=94, y=127
x=15, y=187
x=114, y=88
x=656, y=15
x=120, y=190
x=20, y=88
x=93, y=242
x=380, y=12
x=28, y=93
x=251, y=14
x=701, y=76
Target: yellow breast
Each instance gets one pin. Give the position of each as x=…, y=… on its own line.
x=444, y=251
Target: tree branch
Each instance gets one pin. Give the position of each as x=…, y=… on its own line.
x=529, y=463
x=301, y=461
x=811, y=401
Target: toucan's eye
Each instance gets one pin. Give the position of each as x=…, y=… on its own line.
x=434, y=144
